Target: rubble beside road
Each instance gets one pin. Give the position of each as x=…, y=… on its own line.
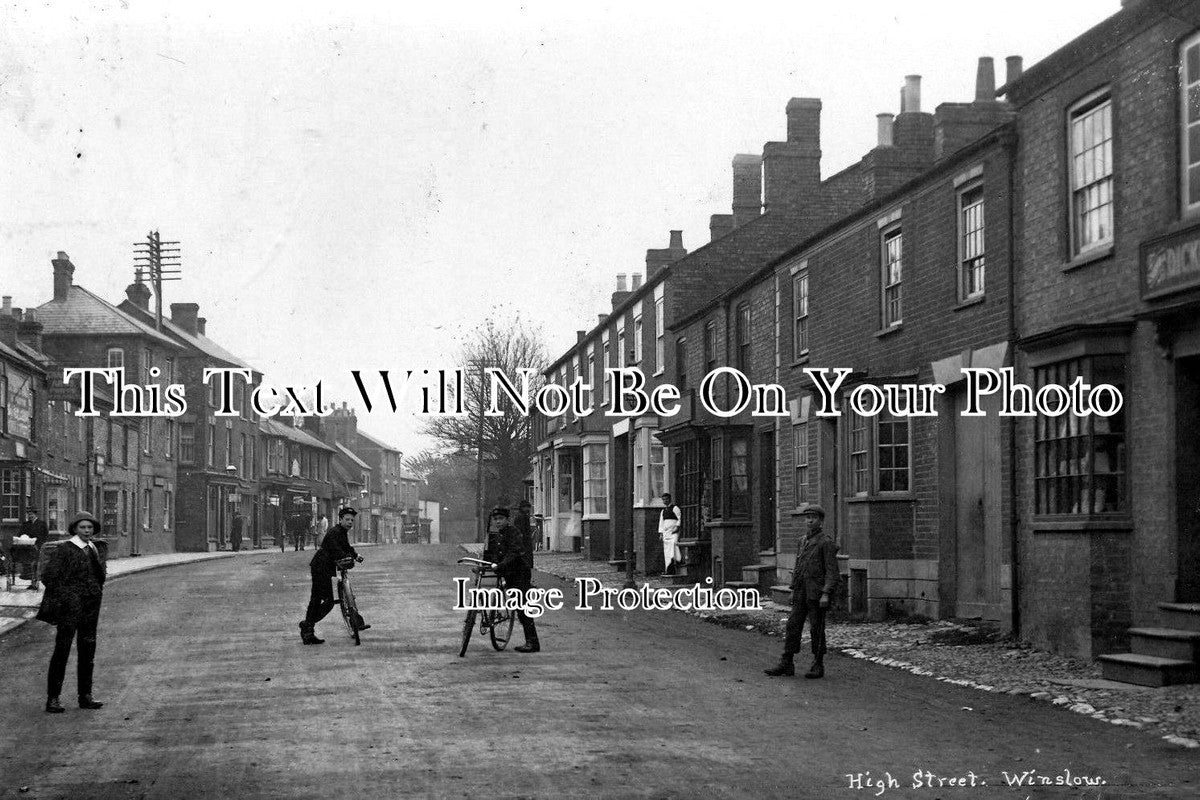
x=958, y=653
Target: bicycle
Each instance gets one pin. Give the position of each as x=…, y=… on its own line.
x=497, y=624
x=346, y=599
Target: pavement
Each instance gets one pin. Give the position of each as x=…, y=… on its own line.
x=953, y=653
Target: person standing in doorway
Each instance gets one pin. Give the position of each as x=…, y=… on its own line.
x=235, y=535
x=814, y=578
x=74, y=578
x=668, y=532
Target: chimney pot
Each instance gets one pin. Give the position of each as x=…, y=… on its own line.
x=676, y=240
x=621, y=282
x=1013, y=66
x=885, y=129
x=138, y=294
x=910, y=95
x=985, y=81
x=6, y=309
x=637, y=281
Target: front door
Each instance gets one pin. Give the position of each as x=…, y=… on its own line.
x=766, y=491
x=622, y=496
x=977, y=511
x=1187, y=466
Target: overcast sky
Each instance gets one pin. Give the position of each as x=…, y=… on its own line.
x=360, y=187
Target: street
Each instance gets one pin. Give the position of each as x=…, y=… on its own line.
x=209, y=693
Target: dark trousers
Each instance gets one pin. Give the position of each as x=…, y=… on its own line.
x=84, y=635
x=321, y=601
x=803, y=608
x=523, y=582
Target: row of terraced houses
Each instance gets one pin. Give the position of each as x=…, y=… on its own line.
x=1050, y=225
x=174, y=484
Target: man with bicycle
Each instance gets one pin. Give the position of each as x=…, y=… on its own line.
x=514, y=563
x=334, y=547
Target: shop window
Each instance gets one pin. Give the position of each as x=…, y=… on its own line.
x=1080, y=462
x=729, y=468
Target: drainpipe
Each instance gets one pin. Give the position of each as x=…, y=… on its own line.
x=1010, y=145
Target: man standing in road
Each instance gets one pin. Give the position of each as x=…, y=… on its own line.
x=515, y=565
x=323, y=567
x=35, y=529
x=74, y=579
x=814, y=578
x=235, y=536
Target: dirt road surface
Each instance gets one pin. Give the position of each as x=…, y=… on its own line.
x=209, y=693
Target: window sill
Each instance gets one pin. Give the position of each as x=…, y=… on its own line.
x=658, y=374
x=590, y=517
x=970, y=302
x=901, y=497
x=727, y=523
x=799, y=362
x=889, y=330
x=1083, y=259
x=1082, y=524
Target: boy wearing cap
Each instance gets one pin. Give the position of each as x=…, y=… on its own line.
x=334, y=547
x=74, y=579
x=814, y=578
x=515, y=565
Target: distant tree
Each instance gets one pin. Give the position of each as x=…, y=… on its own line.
x=505, y=441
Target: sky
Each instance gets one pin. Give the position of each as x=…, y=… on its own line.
x=360, y=186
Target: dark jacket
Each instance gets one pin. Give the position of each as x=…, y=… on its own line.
x=334, y=547
x=74, y=587
x=35, y=529
x=816, y=569
x=515, y=561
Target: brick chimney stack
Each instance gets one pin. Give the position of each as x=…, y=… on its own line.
x=792, y=169
x=185, y=316
x=637, y=282
x=747, y=188
x=622, y=292
x=657, y=259
x=1013, y=67
x=956, y=125
x=30, y=330
x=8, y=323
x=985, y=81
x=200, y=323
x=884, y=122
x=719, y=225
x=138, y=294
x=63, y=272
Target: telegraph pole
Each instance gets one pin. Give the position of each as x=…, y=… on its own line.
x=161, y=260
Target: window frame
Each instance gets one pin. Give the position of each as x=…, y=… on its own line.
x=800, y=461
x=1082, y=108
x=891, y=308
x=742, y=328
x=595, y=480
x=800, y=315
x=660, y=332
x=965, y=270
x=1186, y=156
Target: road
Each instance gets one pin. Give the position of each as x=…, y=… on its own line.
x=209, y=693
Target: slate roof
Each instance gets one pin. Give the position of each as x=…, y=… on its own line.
x=378, y=443
x=348, y=453
x=198, y=341
x=85, y=313
x=273, y=428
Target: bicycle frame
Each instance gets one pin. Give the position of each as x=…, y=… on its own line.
x=347, y=602
x=497, y=623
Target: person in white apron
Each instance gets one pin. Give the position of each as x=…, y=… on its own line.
x=668, y=531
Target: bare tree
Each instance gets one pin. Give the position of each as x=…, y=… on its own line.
x=505, y=441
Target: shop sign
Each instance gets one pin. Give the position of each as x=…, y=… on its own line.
x=1171, y=263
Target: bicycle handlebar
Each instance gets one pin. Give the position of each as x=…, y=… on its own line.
x=478, y=562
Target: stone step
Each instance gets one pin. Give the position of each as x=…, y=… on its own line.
x=618, y=564
x=761, y=576
x=767, y=557
x=782, y=593
x=1185, y=616
x=1148, y=670
x=741, y=585
x=1166, y=643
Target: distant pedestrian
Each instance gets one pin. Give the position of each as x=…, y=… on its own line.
x=74, y=578
x=35, y=529
x=299, y=530
x=323, y=567
x=235, y=537
x=668, y=532
x=319, y=531
x=515, y=564
x=814, y=578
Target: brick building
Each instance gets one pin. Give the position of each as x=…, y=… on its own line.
x=218, y=465
x=1108, y=289
x=296, y=481
x=23, y=383
x=131, y=482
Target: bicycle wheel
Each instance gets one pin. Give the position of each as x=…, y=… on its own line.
x=353, y=613
x=501, y=628
x=346, y=604
x=468, y=627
